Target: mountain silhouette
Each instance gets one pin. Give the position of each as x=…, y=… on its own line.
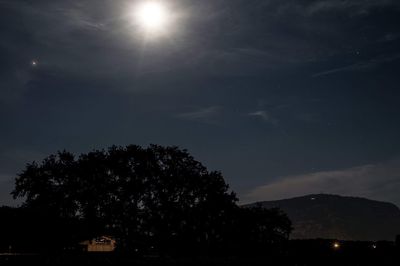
x=338, y=217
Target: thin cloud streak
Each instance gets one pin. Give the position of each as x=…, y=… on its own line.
x=376, y=181
x=207, y=115
x=265, y=116
x=360, y=66
x=360, y=6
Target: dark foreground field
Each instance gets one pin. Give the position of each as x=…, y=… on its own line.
x=298, y=253
x=100, y=260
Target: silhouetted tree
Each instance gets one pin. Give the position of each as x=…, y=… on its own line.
x=156, y=196
x=263, y=230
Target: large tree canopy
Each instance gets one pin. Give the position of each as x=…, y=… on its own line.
x=158, y=197
x=134, y=193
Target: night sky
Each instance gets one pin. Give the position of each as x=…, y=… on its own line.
x=286, y=97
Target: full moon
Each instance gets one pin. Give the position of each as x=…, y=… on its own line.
x=152, y=16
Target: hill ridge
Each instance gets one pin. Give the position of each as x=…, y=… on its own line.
x=340, y=217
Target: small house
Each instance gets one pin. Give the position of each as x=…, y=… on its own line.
x=99, y=244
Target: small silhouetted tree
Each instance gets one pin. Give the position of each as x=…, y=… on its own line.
x=263, y=230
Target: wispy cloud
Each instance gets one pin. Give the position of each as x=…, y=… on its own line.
x=207, y=115
x=350, y=7
x=265, y=116
x=389, y=37
x=348, y=68
x=376, y=181
x=361, y=6
x=360, y=66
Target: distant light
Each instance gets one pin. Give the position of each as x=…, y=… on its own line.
x=34, y=63
x=336, y=245
x=374, y=246
x=312, y=198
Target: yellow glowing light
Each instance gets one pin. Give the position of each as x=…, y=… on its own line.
x=336, y=245
x=152, y=15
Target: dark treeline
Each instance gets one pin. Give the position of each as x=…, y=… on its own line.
x=151, y=200
x=315, y=252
